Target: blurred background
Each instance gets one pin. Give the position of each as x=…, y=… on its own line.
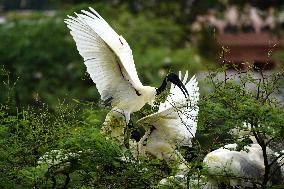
x=40, y=63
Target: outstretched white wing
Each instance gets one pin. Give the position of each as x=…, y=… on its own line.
x=177, y=116
x=107, y=55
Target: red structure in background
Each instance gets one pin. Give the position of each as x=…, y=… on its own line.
x=246, y=49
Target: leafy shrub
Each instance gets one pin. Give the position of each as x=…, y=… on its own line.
x=241, y=98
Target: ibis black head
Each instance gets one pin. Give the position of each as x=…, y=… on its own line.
x=173, y=78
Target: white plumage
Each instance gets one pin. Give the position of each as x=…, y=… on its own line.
x=232, y=168
x=110, y=63
x=108, y=59
x=280, y=161
x=174, y=124
x=238, y=168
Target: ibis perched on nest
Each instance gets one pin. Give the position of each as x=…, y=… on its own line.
x=110, y=64
x=173, y=125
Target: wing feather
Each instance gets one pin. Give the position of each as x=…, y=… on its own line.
x=109, y=63
x=177, y=117
x=117, y=43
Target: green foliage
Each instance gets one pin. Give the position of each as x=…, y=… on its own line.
x=42, y=58
x=39, y=57
x=25, y=136
x=207, y=45
x=232, y=103
x=241, y=98
x=92, y=161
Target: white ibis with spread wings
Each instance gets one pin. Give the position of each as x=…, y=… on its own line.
x=110, y=63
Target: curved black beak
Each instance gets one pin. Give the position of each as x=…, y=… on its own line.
x=173, y=78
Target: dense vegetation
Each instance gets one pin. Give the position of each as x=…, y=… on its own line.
x=81, y=157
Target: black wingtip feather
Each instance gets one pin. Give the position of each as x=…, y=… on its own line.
x=96, y=15
x=93, y=12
